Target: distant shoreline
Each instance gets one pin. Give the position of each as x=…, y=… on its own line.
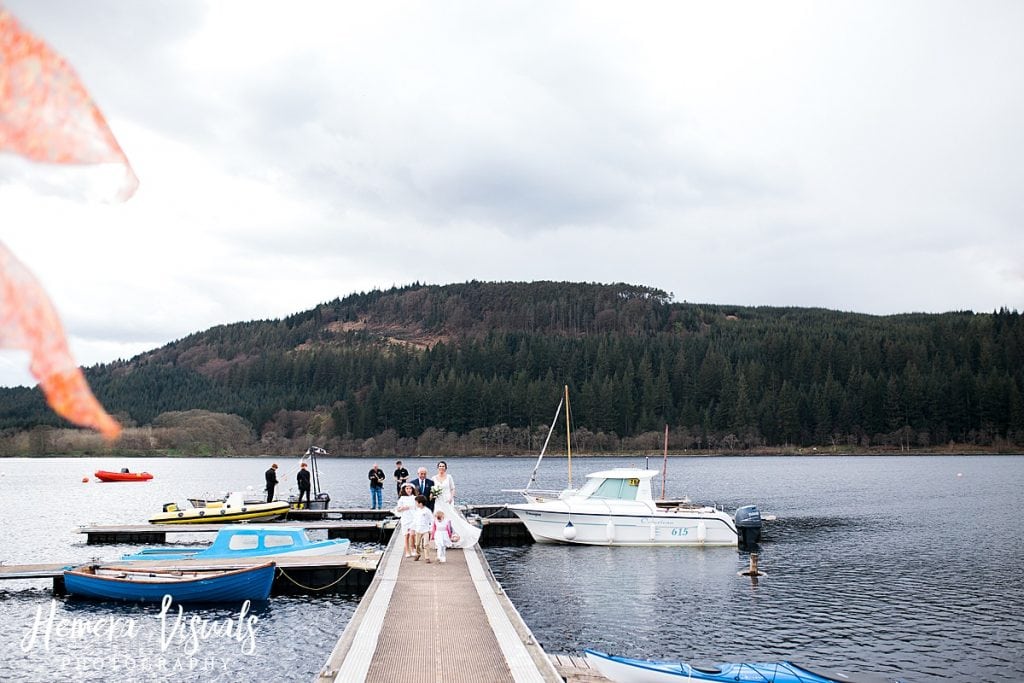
x=806, y=452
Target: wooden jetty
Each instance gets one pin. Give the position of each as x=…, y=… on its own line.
x=447, y=622
x=500, y=527
x=371, y=531
x=349, y=573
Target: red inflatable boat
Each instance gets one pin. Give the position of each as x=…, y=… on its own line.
x=123, y=475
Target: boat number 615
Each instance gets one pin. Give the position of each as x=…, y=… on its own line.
x=680, y=532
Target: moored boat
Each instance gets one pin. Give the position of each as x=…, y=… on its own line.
x=615, y=507
x=151, y=585
x=626, y=670
x=123, y=475
x=233, y=509
x=249, y=541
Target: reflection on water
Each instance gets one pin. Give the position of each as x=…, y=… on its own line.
x=896, y=565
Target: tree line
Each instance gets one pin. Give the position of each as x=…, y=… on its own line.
x=479, y=367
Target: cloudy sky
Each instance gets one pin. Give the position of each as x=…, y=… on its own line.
x=862, y=156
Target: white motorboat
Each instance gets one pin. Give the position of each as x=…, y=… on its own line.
x=615, y=507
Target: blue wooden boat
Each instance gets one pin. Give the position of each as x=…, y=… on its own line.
x=626, y=670
x=151, y=585
x=249, y=541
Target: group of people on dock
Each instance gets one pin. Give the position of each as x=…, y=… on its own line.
x=426, y=507
x=428, y=516
x=302, y=479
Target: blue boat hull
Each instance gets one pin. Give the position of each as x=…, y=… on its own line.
x=129, y=585
x=626, y=670
x=245, y=541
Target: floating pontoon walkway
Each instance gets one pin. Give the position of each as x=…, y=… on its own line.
x=372, y=531
x=447, y=622
x=498, y=528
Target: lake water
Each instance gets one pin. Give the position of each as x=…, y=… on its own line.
x=908, y=565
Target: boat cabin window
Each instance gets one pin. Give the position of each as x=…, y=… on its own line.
x=244, y=542
x=617, y=489
x=278, y=541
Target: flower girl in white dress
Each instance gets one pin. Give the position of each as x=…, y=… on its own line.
x=404, y=510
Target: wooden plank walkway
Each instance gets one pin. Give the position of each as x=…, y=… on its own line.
x=447, y=623
x=576, y=669
x=157, y=533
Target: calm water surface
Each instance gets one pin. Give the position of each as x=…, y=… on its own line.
x=905, y=565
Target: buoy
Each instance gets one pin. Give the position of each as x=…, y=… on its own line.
x=610, y=531
x=702, y=531
x=569, y=531
x=752, y=570
x=85, y=480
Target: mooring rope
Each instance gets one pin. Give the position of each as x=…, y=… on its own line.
x=310, y=588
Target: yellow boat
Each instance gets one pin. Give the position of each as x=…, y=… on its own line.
x=233, y=509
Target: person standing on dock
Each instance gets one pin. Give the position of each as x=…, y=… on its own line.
x=401, y=476
x=423, y=486
x=376, y=488
x=302, y=479
x=421, y=521
x=271, y=475
x=405, y=510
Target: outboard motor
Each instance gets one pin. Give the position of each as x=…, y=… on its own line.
x=748, y=527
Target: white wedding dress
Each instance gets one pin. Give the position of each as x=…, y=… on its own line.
x=468, y=534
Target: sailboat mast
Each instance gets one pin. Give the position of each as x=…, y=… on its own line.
x=551, y=430
x=568, y=441
x=664, y=467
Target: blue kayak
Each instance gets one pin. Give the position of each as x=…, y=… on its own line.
x=626, y=670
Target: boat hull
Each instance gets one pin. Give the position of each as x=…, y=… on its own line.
x=547, y=523
x=223, y=514
x=318, y=549
x=106, y=476
x=626, y=670
x=128, y=585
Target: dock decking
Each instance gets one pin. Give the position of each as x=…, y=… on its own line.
x=447, y=622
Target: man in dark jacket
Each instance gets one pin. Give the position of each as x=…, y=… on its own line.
x=271, y=475
x=302, y=478
x=376, y=488
x=401, y=476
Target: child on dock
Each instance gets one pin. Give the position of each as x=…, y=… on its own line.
x=421, y=525
x=405, y=510
x=441, y=532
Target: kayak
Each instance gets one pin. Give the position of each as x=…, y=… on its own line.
x=626, y=670
x=104, y=475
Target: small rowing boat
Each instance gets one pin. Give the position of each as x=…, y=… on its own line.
x=151, y=585
x=123, y=475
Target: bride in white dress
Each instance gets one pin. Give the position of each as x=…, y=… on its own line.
x=468, y=534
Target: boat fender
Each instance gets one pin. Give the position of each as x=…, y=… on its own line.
x=181, y=514
x=243, y=509
x=223, y=511
x=202, y=513
x=702, y=531
x=610, y=531
x=569, y=531
x=654, y=532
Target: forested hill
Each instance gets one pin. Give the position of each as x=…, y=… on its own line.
x=478, y=368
